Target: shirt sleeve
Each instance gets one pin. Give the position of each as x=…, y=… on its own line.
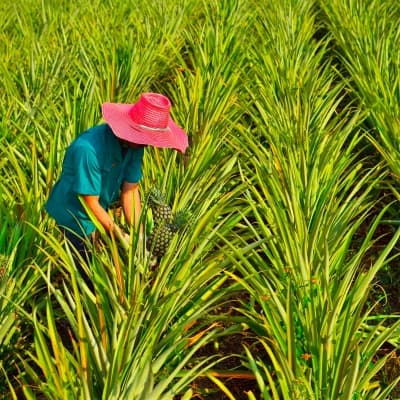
x=133, y=170
x=87, y=171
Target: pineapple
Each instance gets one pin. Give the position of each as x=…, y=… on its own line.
x=158, y=241
x=161, y=210
x=165, y=223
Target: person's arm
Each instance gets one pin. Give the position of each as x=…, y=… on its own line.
x=130, y=201
x=100, y=213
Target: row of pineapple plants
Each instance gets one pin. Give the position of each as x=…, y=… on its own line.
x=276, y=182
x=311, y=189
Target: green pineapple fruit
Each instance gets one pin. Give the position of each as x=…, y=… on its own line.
x=159, y=240
x=162, y=212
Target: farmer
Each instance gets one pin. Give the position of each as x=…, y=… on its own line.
x=104, y=164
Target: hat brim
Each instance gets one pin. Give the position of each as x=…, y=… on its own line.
x=117, y=117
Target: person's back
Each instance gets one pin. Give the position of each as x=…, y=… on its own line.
x=93, y=165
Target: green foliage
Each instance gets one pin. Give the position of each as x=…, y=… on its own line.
x=277, y=195
x=368, y=46
x=310, y=192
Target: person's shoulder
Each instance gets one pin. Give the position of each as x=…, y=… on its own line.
x=88, y=144
x=92, y=136
x=100, y=129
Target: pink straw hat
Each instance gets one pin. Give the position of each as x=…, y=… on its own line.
x=146, y=122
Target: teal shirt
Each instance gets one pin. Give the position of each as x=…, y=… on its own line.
x=94, y=164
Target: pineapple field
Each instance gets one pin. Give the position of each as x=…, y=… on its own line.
x=271, y=266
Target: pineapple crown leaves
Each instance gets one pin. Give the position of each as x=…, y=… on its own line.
x=155, y=197
x=181, y=219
